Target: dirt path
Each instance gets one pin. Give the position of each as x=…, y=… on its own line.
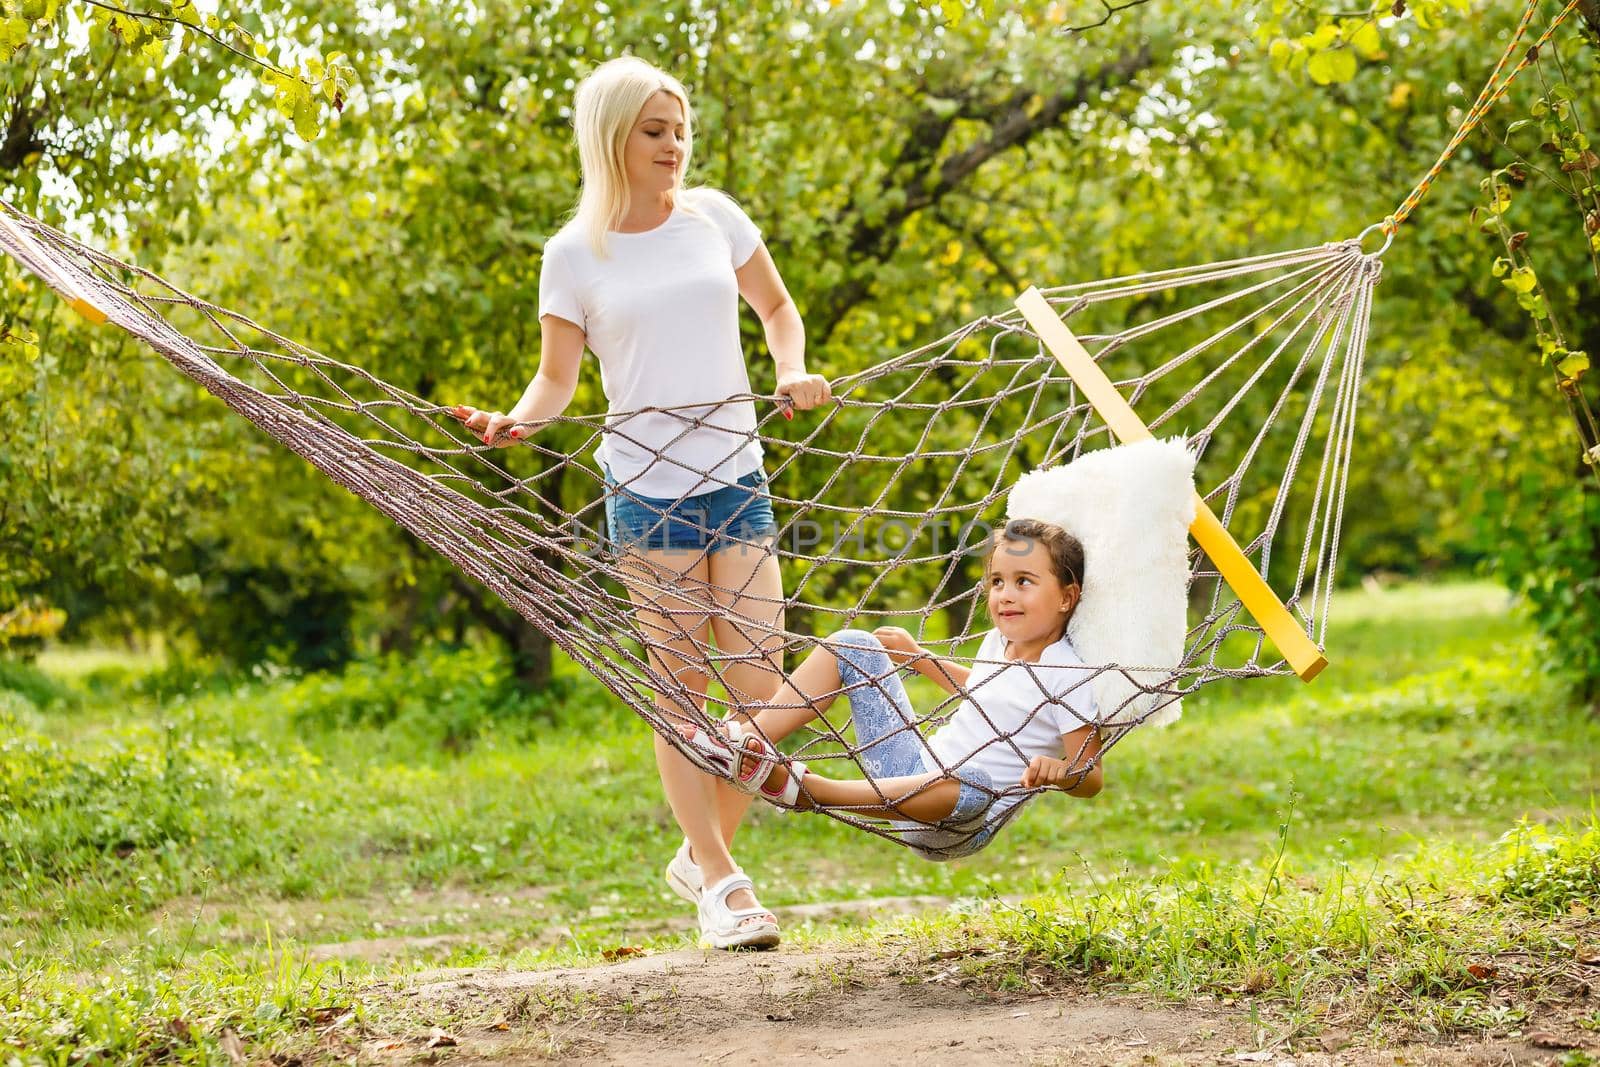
x=851, y=1007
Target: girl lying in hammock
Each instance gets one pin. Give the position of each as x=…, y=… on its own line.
x=1028, y=723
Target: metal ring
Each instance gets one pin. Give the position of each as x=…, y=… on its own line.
x=1387, y=241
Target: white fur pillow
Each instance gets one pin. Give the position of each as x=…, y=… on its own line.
x=1131, y=506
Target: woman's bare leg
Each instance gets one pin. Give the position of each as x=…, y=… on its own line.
x=673, y=611
x=748, y=589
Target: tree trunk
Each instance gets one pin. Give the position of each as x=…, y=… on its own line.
x=532, y=656
x=532, y=653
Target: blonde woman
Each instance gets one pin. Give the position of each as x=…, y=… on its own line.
x=648, y=275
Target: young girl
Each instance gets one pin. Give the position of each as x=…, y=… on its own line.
x=648, y=276
x=1028, y=721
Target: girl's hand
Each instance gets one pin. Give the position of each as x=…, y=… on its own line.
x=805, y=391
x=1045, y=772
x=489, y=425
x=900, y=645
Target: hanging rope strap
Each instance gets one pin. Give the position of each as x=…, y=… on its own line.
x=1493, y=90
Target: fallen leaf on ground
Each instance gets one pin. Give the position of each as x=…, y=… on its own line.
x=1334, y=1040
x=621, y=952
x=232, y=1046
x=437, y=1038
x=1481, y=971
x=780, y=1016
x=1545, y=1039
x=956, y=953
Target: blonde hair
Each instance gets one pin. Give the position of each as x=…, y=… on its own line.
x=605, y=107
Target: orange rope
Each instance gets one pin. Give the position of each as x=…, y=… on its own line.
x=1493, y=90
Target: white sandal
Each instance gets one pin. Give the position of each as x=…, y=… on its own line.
x=788, y=798
x=683, y=875
x=725, y=927
x=725, y=754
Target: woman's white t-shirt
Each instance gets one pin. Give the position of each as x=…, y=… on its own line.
x=661, y=313
x=1015, y=711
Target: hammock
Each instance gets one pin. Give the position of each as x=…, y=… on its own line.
x=1258, y=360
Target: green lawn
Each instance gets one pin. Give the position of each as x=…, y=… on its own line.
x=172, y=848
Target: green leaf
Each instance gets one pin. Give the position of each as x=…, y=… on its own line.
x=1573, y=364
x=1501, y=266
x=307, y=116
x=1323, y=39
x=1364, y=38
x=1328, y=68
x=1522, y=280
x=13, y=35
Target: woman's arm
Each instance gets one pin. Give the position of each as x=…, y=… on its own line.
x=766, y=294
x=560, y=353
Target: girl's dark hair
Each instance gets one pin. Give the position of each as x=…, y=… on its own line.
x=1066, y=551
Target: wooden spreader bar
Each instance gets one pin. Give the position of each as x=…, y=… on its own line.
x=1236, y=569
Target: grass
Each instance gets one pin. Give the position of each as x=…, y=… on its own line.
x=173, y=845
x=1449, y=938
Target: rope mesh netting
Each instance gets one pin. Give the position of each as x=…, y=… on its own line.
x=884, y=499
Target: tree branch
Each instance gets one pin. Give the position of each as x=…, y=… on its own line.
x=151, y=16
x=21, y=134
x=975, y=235
x=1013, y=123
x=1110, y=11
x=1590, y=10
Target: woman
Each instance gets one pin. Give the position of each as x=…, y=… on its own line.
x=648, y=275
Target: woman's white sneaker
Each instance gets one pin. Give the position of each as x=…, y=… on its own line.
x=725, y=927
x=683, y=875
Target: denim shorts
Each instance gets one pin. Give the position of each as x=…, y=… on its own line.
x=737, y=514
x=891, y=747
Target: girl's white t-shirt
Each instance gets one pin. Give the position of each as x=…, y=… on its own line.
x=1015, y=711
x=661, y=313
